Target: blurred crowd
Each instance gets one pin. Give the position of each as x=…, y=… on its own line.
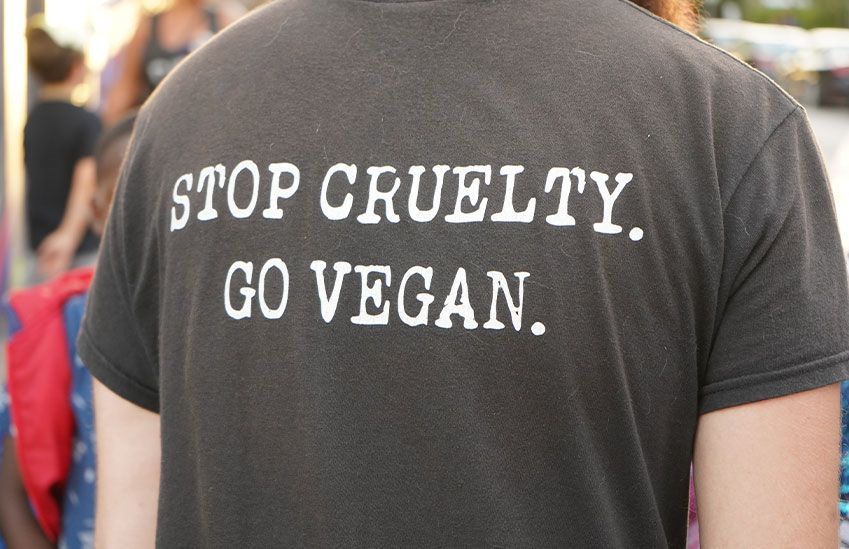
x=62, y=129
x=73, y=144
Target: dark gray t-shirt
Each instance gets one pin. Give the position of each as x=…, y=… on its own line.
x=458, y=273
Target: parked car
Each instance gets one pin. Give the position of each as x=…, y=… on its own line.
x=813, y=66
x=833, y=70
x=768, y=48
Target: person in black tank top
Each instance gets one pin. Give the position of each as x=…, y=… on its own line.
x=161, y=41
x=160, y=59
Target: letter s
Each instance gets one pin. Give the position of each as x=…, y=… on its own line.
x=180, y=222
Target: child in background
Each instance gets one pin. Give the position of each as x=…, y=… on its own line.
x=59, y=141
x=46, y=425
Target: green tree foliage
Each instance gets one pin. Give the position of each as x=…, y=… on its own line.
x=820, y=13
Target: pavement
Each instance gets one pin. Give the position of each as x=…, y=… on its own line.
x=831, y=127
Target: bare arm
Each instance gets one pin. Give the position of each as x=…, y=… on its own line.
x=56, y=252
x=126, y=91
x=17, y=523
x=767, y=473
x=128, y=466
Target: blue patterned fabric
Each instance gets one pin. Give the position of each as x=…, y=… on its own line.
x=844, y=465
x=5, y=425
x=78, y=505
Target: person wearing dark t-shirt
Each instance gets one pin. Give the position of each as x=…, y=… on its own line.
x=456, y=273
x=59, y=140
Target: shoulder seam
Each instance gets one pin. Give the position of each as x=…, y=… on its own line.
x=698, y=40
x=755, y=157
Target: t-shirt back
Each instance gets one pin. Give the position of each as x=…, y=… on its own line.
x=458, y=273
x=57, y=135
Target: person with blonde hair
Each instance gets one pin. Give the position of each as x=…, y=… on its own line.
x=387, y=273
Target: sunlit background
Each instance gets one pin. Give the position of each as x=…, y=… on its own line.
x=804, y=46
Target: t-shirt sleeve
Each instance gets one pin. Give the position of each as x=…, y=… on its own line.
x=117, y=341
x=783, y=317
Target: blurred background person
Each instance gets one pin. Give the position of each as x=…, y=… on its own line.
x=160, y=42
x=59, y=140
x=47, y=472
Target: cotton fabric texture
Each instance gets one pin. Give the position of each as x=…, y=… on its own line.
x=264, y=282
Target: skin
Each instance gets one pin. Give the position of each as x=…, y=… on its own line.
x=91, y=193
x=56, y=252
x=767, y=473
x=108, y=170
x=180, y=24
x=123, y=431
x=18, y=526
x=128, y=470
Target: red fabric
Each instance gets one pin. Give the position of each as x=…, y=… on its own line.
x=39, y=379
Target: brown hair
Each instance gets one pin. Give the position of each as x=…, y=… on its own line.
x=684, y=13
x=51, y=62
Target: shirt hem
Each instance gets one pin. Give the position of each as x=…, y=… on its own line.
x=113, y=378
x=804, y=377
